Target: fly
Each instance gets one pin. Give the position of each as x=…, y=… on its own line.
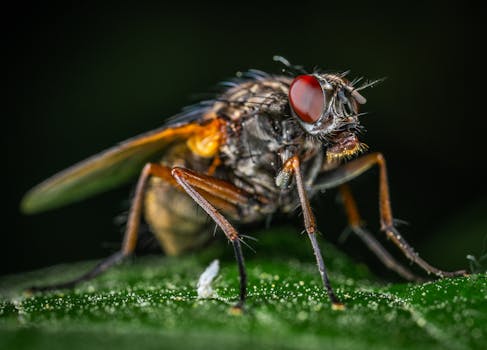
x=266, y=144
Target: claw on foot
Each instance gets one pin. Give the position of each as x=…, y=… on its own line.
x=338, y=307
x=236, y=310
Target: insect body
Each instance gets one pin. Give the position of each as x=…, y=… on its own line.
x=267, y=143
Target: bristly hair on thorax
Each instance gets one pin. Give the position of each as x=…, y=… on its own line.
x=254, y=93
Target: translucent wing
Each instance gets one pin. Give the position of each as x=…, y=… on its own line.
x=112, y=167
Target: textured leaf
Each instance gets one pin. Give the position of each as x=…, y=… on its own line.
x=152, y=303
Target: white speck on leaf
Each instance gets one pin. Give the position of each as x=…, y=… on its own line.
x=204, y=284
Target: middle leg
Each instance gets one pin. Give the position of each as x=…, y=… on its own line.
x=191, y=182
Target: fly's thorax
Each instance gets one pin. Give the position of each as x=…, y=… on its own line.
x=263, y=94
x=256, y=151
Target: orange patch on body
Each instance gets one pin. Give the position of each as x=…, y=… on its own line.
x=207, y=139
x=203, y=139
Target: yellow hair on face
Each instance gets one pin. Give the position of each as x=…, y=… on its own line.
x=333, y=156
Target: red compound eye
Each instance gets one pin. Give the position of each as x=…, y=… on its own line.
x=306, y=98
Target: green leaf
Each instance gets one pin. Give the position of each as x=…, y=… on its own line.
x=152, y=303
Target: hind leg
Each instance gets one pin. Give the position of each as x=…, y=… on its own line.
x=130, y=235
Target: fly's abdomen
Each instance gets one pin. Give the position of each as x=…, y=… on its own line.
x=177, y=222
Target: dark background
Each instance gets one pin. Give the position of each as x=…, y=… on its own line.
x=80, y=78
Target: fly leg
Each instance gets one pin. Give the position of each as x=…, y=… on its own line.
x=356, y=225
x=130, y=235
x=199, y=187
x=292, y=166
x=355, y=168
x=205, y=190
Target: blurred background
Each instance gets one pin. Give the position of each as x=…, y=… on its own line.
x=81, y=78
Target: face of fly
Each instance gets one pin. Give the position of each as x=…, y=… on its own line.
x=326, y=106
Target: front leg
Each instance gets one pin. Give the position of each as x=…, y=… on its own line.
x=356, y=225
x=355, y=168
x=292, y=166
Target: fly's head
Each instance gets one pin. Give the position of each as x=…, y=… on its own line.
x=326, y=106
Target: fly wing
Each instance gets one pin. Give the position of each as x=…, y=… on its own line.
x=111, y=167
